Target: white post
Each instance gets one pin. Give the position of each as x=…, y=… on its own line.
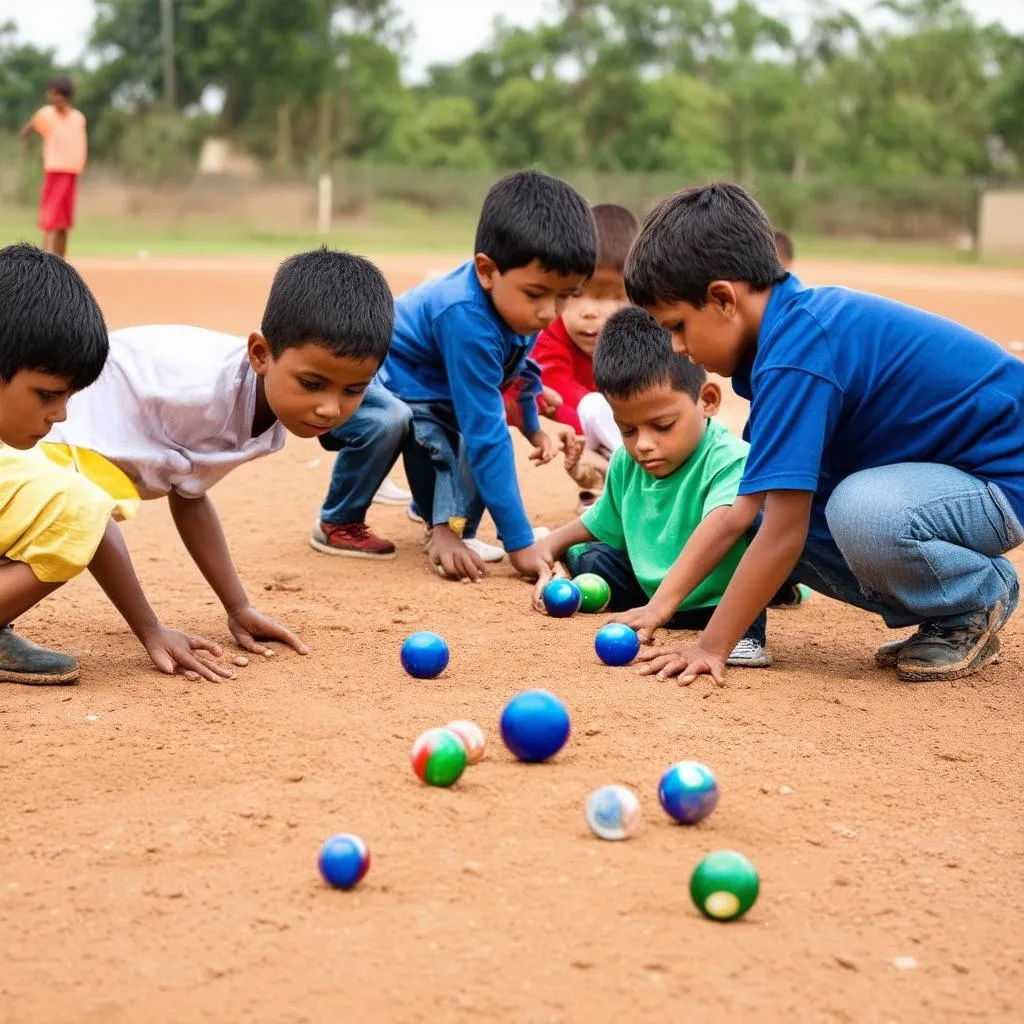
x=324, y=202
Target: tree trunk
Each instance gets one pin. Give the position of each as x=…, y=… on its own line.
x=324, y=119
x=284, y=151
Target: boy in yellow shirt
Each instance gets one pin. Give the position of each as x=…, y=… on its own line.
x=65, y=147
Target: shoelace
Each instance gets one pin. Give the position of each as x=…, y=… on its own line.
x=744, y=647
x=357, y=531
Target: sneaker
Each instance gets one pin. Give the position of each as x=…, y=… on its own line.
x=748, y=653
x=389, y=493
x=937, y=653
x=485, y=552
x=353, y=540
x=414, y=513
x=24, y=662
x=790, y=596
x=888, y=654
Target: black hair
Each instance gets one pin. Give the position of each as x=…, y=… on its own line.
x=531, y=216
x=334, y=299
x=63, y=85
x=634, y=354
x=49, y=319
x=707, y=233
x=784, y=247
x=616, y=230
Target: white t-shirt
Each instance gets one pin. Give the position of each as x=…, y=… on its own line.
x=173, y=408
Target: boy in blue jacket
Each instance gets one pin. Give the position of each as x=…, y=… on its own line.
x=886, y=446
x=457, y=341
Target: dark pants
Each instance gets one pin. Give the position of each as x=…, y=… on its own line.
x=614, y=567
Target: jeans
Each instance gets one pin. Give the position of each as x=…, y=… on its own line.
x=914, y=542
x=367, y=445
x=437, y=467
x=615, y=568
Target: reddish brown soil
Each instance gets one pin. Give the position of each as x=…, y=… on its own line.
x=159, y=837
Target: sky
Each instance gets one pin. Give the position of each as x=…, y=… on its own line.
x=444, y=30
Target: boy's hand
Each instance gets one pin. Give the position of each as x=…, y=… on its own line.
x=249, y=626
x=445, y=549
x=687, y=661
x=571, y=445
x=171, y=650
x=646, y=621
x=532, y=562
x=543, y=448
x=549, y=401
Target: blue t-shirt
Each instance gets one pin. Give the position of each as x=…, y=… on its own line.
x=844, y=381
x=450, y=345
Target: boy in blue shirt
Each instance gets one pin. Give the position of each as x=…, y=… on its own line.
x=677, y=468
x=886, y=444
x=457, y=341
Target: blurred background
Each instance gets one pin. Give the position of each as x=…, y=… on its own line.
x=877, y=129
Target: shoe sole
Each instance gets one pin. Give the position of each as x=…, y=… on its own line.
x=765, y=662
x=988, y=653
x=326, y=549
x=40, y=679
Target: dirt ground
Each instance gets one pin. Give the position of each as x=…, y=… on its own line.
x=158, y=839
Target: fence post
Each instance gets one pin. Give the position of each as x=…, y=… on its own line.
x=324, y=203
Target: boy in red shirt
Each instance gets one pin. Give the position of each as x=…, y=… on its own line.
x=64, y=153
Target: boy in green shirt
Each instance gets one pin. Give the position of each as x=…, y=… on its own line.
x=677, y=468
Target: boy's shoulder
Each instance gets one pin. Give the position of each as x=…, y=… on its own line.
x=436, y=295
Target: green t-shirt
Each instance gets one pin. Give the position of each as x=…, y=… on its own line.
x=652, y=520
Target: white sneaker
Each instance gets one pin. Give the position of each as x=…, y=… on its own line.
x=485, y=552
x=389, y=493
x=748, y=653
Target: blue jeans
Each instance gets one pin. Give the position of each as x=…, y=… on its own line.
x=615, y=568
x=914, y=542
x=437, y=466
x=367, y=445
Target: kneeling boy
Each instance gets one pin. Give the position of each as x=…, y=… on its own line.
x=677, y=468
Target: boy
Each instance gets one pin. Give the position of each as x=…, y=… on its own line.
x=886, y=444
x=677, y=468
x=64, y=153
x=457, y=341
x=54, y=523
x=784, y=247
x=177, y=408
x=565, y=350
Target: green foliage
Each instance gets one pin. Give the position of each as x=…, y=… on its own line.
x=689, y=88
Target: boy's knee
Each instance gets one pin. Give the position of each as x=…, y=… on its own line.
x=865, y=514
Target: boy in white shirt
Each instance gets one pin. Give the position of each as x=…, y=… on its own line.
x=177, y=408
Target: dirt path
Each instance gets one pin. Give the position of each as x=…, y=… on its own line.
x=158, y=838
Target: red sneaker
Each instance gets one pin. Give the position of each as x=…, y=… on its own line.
x=354, y=540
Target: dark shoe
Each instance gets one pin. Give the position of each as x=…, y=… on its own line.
x=936, y=652
x=24, y=662
x=354, y=540
x=888, y=654
x=791, y=595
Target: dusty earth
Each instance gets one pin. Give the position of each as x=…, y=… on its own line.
x=158, y=838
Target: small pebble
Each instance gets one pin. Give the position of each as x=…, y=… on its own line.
x=846, y=961
x=240, y=661
x=785, y=790
x=765, y=788
x=294, y=777
x=92, y=718
x=905, y=963
x=961, y=968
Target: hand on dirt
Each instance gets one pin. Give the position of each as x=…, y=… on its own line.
x=646, y=621
x=532, y=562
x=687, y=661
x=249, y=626
x=172, y=651
x=446, y=550
x=544, y=449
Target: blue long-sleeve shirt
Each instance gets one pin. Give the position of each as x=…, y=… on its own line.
x=450, y=345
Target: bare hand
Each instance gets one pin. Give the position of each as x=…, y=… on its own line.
x=249, y=626
x=171, y=650
x=548, y=571
x=544, y=449
x=549, y=401
x=687, y=661
x=446, y=550
x=646, y=621
x=571, y=445
x=532, y=562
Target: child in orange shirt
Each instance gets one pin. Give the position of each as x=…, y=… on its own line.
x=64, y=152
